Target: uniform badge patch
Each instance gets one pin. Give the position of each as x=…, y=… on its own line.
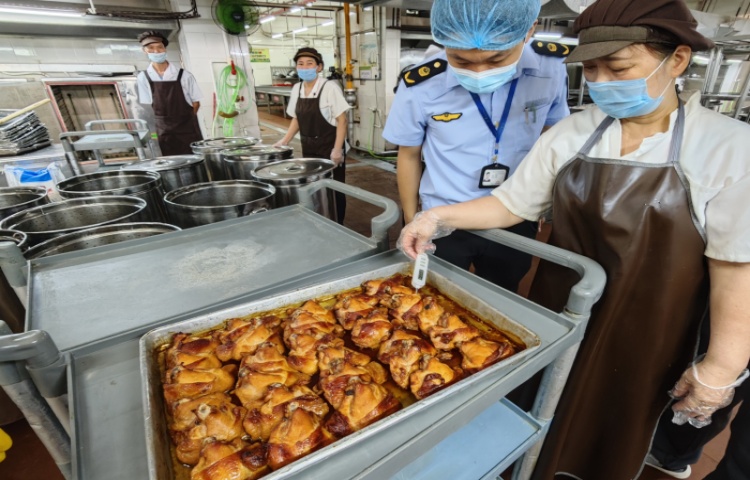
x=447, y=117
x=550, y=49
x=423, y=72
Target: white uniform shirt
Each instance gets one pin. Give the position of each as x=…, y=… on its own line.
x=188, y=82
x=714, y=158
x=332, y=102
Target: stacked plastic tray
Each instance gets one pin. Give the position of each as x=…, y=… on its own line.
x=22, y=134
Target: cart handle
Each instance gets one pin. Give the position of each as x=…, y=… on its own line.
x=379, y=224
x=589, y=288
x=141, y=124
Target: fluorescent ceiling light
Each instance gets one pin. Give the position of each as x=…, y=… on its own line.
x=733, y=60
x=41, y=11
x=295, y=9
x=327, y=23
x=277, y=35
x=300, y=30
x=269, y=18
x=548, y=35
x=367, y=9
x=369, y=33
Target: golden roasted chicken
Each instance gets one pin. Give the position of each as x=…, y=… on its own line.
x=240, y=399
x=261, y=370
x=431, y=376
x=445, y=329
x=372, y=330
x=260, y=422
x=231, y=460
x=350, y=308
x=195, y=420
x=243, y=337
x=479, y=353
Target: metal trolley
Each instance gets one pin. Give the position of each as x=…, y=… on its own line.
x=104, y=379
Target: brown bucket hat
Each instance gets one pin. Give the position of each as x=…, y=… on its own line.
x=611, y=25
x=308, y=52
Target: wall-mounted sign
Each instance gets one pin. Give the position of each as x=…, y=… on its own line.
x=260, y=55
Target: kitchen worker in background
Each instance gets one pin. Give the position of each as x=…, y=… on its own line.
x=465, y=118
x=174, y=94
x=655, y=189
x=318, y=110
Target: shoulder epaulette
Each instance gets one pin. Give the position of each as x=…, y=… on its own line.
x=550, y=49
x=427, y=70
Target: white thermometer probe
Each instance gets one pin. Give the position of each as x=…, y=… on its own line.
x=419, y=276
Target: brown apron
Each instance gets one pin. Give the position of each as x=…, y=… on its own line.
x=318, y=138
x=636, y=220
x=176, y=122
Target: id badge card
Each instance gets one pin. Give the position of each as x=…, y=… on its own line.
x=493, y=175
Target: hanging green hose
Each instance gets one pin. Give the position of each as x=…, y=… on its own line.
x=231, y=81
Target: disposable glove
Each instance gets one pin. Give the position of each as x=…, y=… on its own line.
x=697, y=400
x=417, y=236
x=337, y=155
x=280, y=143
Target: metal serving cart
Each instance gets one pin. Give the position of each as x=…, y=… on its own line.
x=107, y=427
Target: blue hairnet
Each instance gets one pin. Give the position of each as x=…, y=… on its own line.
x=482, y=24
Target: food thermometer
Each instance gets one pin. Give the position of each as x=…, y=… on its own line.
x=419, y=276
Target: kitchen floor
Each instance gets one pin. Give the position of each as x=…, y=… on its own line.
x=28, y=460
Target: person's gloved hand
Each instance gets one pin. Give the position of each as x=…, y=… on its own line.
x=697, y=400
x=417, y=236
x=280, y=143
x=337, y=156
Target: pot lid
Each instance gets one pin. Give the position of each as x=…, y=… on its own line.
x=296, y=169
x=164, y=163
x=256, y=151
x=225, y=142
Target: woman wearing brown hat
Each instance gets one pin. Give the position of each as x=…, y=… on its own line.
x=318, y=110
x=656, y=190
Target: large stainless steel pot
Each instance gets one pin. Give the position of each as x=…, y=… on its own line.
x=97, y=237
x=289, y=176
x=137, y=183
x=176, y=171
x=15, y=236
x=48, y=221
x=211, y=148
x=15, y=199
x=212, y=202
x=240, y=163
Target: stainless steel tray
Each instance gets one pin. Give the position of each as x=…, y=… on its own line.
x=116, y=292
x=353, y=454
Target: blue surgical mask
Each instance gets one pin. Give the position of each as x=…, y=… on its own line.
x=626, y=98
x=158, y=57
x=307, y=74
x=486, y=81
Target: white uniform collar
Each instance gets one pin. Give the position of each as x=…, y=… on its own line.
x=315, y=90
x=171, y=69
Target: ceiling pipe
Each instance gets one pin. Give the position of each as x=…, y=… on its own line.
x=348, y=38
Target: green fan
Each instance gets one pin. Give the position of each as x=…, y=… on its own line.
x=236, y=17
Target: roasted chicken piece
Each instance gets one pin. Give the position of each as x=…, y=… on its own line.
x=386, y=286
x=261, y=422
x=265, y=368
x=351, y=308
x=183, y=382
x=231, y=460
x=210, y=416
x=358, y=404
x=446, y=330
x=311, y=317
x=404, y=309
x=372, y=330
x=304, y=349
x=339, y=361
x=402, y=353
x=242, y=337
x=192, y=352
x=307, y=329
x=299, y=433
x=431, y=376
x=479, y=353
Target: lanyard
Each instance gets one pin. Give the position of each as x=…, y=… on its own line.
x=497, y=132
